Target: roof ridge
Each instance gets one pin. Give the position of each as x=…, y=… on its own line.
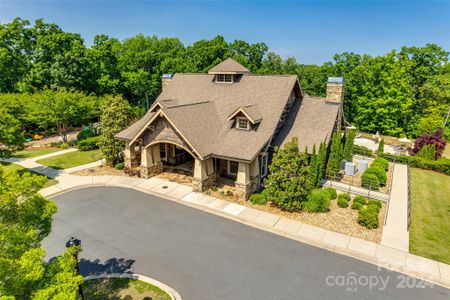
x=187, y=104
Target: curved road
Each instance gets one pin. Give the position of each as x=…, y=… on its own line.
x=204, y=256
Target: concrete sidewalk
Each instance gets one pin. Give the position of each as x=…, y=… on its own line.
x=395, y=231
x=30, y=163
x=378, y=254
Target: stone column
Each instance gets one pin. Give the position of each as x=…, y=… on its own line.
x=151, y=163
x=243, y=184
x=204, y=174
x=130, y=155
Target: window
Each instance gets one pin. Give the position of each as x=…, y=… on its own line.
x=263, y=165
x=242, y=123
x=233, y=167
x=224, y=78
x=162, y=150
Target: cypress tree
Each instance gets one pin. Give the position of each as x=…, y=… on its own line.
x=313, y=169
x=348, y=146
x=334, y=160
x=381, y=146
x=321, y=160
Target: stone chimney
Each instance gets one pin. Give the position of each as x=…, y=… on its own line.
x=166, y=78
x=335, y=89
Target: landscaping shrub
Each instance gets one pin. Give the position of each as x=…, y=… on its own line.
x=85, y=134
x=381, y=146
x=427, y=152
x=332, y=192
x=435, y=139
x=119, y=166
x=360, y=199
x=370, y=181
x=356, y=205
x=318, y=201
x=361, y=150
x=342, y=201
x=89, y=144
x=258, y=198
x=376, y=203
x=64, y=146
x=368, y=217
x=345, y=196
x=441, y=165
x=379, y=172
x=380, y=162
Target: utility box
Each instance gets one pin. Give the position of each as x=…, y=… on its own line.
x=343, y=162
x=363, y=165
x=350, y=168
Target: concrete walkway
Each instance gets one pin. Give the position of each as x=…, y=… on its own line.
x=30, y=163
x=356, y=190
x=395, y=231
x=378, y=254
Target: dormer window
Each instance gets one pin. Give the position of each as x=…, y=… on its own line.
x=242, y=123
x=225, y=78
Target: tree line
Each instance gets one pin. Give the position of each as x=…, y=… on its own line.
x=403, y=92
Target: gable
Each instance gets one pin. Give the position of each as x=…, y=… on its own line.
x=160, y=130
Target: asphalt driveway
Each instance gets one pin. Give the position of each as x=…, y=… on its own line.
x=204, y=256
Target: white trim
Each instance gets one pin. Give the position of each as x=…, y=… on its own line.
x=240, y=110
x=158, y=114
x=264, y=164
x=224, y=77
x=229, y=167
x=242, y=119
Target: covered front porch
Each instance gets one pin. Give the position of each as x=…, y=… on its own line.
x=165, y=157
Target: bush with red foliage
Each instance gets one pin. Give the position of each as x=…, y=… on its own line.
x=435, y=139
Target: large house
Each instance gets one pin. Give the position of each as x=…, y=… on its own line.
x=227, y=122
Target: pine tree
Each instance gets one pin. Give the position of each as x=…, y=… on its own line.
x=313, y=169
x=286, y=184
x=115, y=117
x=334, y=160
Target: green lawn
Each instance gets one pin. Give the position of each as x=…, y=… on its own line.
x=430, y=215
x=446, y=152
x=10, y=167
x=121, y=288
x=34, y=152
x=71, y=159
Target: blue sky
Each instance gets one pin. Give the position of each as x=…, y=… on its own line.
x=311, y=31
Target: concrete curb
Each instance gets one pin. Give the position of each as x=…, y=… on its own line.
x=377, y=254
x=174, y=295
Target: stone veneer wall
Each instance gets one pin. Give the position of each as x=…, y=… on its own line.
x=202, y=185
x=150, y=171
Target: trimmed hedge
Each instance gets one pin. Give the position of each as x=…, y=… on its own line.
x=379, y=172
x=360, y=199
x=318, y=201
x=343, y=199
x=361, y=150
x=258, y=198
x=119, y=166
x=332, y=192
x=380, y=162
x=89, y=144
x=356, y=205
x=368, y=217
x=85, y=134
x=441, y=165
x=370, y=181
